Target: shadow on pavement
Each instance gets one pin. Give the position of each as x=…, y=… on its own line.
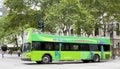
x=63, y=62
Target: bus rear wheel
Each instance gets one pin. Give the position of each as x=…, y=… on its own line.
x=96, y=58
x=46, y=59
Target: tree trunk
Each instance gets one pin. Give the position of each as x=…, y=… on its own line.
x=104, y=30
x=79, y=31
x=16, y=41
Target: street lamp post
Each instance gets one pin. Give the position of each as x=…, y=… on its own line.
x=119, y=48
x=41, y=25
x=112, y=38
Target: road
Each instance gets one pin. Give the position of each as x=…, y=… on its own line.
x=14, y=62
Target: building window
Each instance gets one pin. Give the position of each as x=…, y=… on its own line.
x=117, y=29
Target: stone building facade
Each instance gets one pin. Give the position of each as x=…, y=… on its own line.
x=112, y=31
x=3, y=9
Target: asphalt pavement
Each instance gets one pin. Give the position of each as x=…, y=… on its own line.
x=14, y=62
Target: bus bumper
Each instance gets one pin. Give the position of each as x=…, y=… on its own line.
x=25, y=59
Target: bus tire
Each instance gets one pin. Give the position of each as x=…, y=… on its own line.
x=96, y=58
x=38, y=62
x=46, y=59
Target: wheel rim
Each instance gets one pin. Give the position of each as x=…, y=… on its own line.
x=46, y=59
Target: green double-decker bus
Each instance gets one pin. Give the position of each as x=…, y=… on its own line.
x=45, y=48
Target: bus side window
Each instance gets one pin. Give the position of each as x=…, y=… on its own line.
x=99, y=47
x=42, y=46
x=74, y=47
x=84, y=47
x=48, y=46
x=93, y=47
x=65, y=47
x=35, y=45
x=56, y=46
x=106, y=47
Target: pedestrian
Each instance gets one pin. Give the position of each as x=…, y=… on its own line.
x=3, y=54
x=10, y=52
x=19, y=53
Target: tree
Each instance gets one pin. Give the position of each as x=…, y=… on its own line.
x=3, y=22
x=104, y=11
x=67, y=13
x=80, y=15
x=21, y=15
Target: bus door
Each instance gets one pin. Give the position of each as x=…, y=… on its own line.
x=57, y=52
x=85, y=53
x=93, y=50
x=102, y=52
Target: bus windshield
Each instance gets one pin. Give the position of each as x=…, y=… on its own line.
x=26, y=47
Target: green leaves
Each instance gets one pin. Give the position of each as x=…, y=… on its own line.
x=59, y=15
x=68, y=13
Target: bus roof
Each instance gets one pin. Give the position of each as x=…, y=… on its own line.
x=68, y=39
x=65, y=39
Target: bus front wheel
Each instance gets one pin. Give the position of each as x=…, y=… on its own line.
x=46, y=59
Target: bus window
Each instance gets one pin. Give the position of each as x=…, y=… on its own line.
x=56, y=46
x=70, y=47
x=26, y=47
x=48, y=46
x=74, y=47
x=65, y=47
x=106, y=47
x=84, y=47
x=93, y=47
x=36, y=45
x=42, y=46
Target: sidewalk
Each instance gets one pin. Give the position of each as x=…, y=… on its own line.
x=13, y=56
x=117, y=57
